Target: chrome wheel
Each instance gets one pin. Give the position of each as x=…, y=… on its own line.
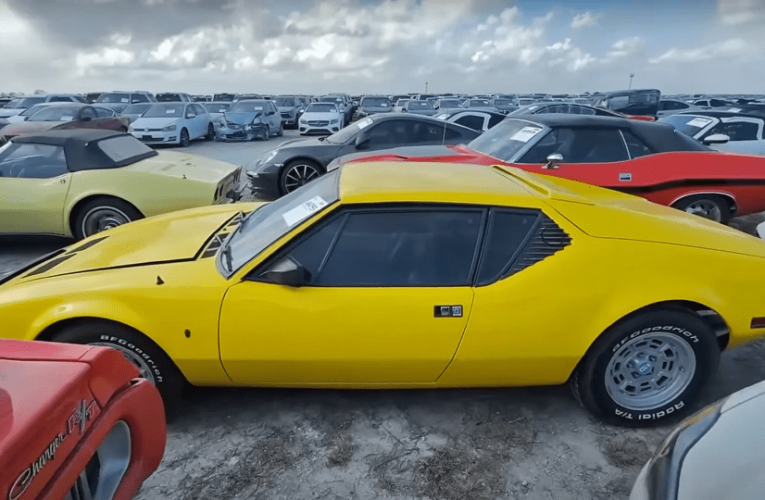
x=136, y=360
x=705, y=208
x=103, y=218
x=298, y=175
x=650, y=371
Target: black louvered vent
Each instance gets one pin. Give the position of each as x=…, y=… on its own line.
x=51, y=264
x=214, y=245
x=547, y=239
x=88, y=244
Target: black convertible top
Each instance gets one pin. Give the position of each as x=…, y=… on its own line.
x=660, y=137
x=83, y=148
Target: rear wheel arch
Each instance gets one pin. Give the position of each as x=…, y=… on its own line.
x=728, y=197
x=74, y=212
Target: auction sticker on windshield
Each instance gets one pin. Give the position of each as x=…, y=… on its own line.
x=525, y=134
x=699, y=122
x=365, y=123
x=304, y=210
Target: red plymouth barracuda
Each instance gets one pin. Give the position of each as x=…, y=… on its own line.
x=646, y=159
x=76, y=422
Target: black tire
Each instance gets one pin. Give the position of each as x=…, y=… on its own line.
x=708, y=206
x=210, y=133
x=267, y=134
x=166, y=376
x=685, y=329
x=94, y=216
x=280, y=132
x=302, y=169
x=185, y=139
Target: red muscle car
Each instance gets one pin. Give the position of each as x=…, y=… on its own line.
x=648, y=159
x=76, y=422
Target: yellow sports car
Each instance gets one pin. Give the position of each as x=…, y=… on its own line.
x=383, y=275
x=79, y=182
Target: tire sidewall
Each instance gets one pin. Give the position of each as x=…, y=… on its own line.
x=289, y=166
x=181, y=142
x=720, y=201
x=690, y=330
x=79, y=218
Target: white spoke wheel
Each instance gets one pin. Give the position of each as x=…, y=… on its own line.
x=102, y=214
x=647, y=369
x=712, y=207
x=299, y=173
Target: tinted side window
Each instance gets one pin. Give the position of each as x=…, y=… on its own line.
x=579, y=146
x=60, y=99
x=103, y=112
x=505, y=234
x=404, y=248
x=311, y=251
x=474, y=122
x=88, y=112
x=389, y=133
x=737, y=131
x=494, y=120
x=637, y=148
x=429, y=133
x=32, y=161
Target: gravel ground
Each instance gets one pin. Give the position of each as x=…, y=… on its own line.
x=534, y=443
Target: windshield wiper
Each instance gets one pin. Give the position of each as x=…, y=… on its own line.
x=226, y=250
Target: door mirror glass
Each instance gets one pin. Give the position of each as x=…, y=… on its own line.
x=287, y=272
x=716, y=139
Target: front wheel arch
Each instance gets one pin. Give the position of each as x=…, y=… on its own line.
x=74, y=212
x=728, y=198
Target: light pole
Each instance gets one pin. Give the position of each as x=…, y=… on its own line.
x=632, y=75
x=426, y=87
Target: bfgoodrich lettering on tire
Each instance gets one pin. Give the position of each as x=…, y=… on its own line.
x=648, y=369
x=150, y=360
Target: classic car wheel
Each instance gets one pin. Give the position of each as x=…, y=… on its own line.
x=710, y=206
x=184, y=141
x=210, y=133
x=648, y=368
x=299, y=173
x=153, y=364
x=102, y=214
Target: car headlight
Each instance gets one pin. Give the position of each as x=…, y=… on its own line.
x=169, y=128
x=302, y=122
x=270, y=156
x=256, y=121
x=335, y=121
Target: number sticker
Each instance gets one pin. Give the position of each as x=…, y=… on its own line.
x=525, y=134
x=699, y=122
x=304, y=210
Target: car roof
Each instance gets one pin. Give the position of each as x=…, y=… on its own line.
x=386, y=181
x=745, y=111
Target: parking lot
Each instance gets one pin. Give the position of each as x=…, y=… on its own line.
x=532, y=443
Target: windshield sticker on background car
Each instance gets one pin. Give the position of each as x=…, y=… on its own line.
x=365, y=123
x=525, y=134
x=170, y=111
x=733, y=110
x=304, y=210
x=67, y=118
x=384, y=105
x=699, y=122
x=124, y=100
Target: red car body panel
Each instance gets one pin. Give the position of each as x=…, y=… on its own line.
x=662, y=178
x=57, y=404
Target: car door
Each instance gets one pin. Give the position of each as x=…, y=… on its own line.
x=746, y=135
x=204, y=118
x=596, y=156
x=386, y=301
x=34, y=183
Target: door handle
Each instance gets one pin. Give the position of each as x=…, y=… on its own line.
x=449, y=311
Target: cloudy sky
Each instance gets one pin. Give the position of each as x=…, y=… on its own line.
x=390, y=46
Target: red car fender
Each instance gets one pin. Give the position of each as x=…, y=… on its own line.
x=140, y=406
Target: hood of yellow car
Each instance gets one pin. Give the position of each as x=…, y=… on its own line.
x=186, y=165
x=175, y=237
x=604, y=213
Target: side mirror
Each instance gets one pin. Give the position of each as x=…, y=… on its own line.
x=191, y=115
x=362, y=141
x=287, y=272
x=552, y=161
x=86, y=118
x=269, y=113
x=716, y=139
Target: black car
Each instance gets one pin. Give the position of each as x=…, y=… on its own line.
x=295, y=163
x=570, y=108
x=478, y=119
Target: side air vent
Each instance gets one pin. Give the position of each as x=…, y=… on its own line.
x=88, y=244
x=237, y=219
x=547, y=240
x=51, y=264
x=214, y=245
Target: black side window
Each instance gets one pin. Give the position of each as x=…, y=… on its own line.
x=428, y=133
x=636, y=147
x=506, y=233
x=60, y=99
x=103, y=112
x=737, y=131
x=311, y=252
x=474, y=122
x=495, y=120
x=579, y=146
x=88, y=112
x=33, y=161
x=388, y=134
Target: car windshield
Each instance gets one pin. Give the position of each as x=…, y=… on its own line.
x=689, y=124
x=506, y=139
x=164, y=111
x=216, y=107
x=31, y=110
x=503, y=102
x=321, y=108
x=448, y=103
x=261, y=228
x=55, y=114
x=114, y=98
x=348, y=132
x=24, y=102
x=285, y=102
x=337, y=100
x=125, y=149
x=136, y=109
x=479, y=103
x=169, y=98
x=248, y=107
x=401, y=102
x=420, y=105
x=375, y=102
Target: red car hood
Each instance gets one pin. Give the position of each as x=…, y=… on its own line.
x=49, y=394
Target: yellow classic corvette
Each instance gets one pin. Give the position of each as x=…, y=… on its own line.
x=79, y=182
x=394, y=275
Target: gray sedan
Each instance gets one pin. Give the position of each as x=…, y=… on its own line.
x=418, y=108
